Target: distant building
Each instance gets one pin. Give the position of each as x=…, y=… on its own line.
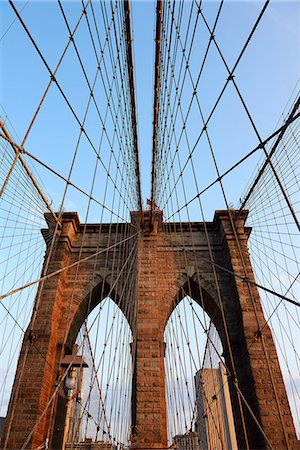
x=88, y=444
x=214, y=422
x=2, y=422
x=187, y=441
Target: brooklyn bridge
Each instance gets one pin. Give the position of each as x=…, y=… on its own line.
x=149, y=198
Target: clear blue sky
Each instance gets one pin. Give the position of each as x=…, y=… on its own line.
x=267, y=75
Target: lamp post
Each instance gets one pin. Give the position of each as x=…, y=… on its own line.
x=72, y=384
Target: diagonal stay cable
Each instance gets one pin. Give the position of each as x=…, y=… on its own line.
x=159, y=19
x=69, y=182
x=43, y=98
x=268, y=159
x=221, y=92
x=82, y=128
x=71, y=362
x=251, y=282
x=290, y=119
x=242, y=160
x=213, y=155
x=130, y=68
x=91, y=88
x=179, y=90
x=30, y=175
x=63, y=269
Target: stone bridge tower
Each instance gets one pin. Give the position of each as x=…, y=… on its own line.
x=164, y=275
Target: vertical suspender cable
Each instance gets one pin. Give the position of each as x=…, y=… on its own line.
x=130, y=67
x=159, y=16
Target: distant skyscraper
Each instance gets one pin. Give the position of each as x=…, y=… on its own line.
x=188, y=441
x=214, y=422
x=88, y=444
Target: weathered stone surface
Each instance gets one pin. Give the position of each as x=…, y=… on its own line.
x=173, y=261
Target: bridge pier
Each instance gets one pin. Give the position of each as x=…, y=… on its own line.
x=165, y=274
x=155, y=275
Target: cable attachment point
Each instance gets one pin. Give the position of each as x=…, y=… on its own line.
x=231, y=77
x=31, y=337
x=232, y=378
x=258, y=334
x=58, y=378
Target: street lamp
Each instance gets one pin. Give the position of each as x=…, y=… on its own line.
x=72, y=363
x=71, y=380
